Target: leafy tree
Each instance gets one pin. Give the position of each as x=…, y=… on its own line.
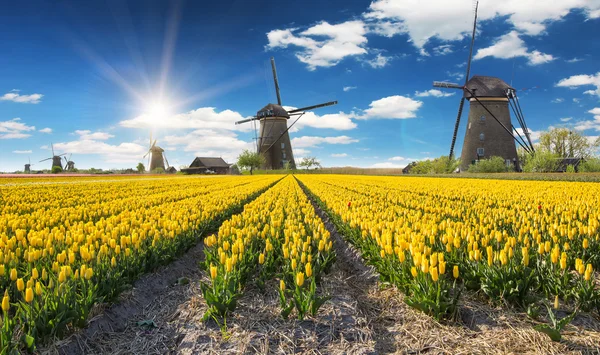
x=542, y=161
x=566, y=143
x=250, y=160
x=158, y=171
x=491, y=165
x=441, y=165
x=591, y=165
x=234, y=170
x=56, y=169
x=140, y=168
x=287, y=165
x=309, y=162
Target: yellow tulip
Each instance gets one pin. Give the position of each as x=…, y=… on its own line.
x=5, y=302
x=300, y=279
x=213, y=271
x=455, y=272
x=38, y=288
x=282, y=285
x=13, y=274
x=308, y=270
x=261, y=258
x=20, y=284
x=28, y=295
x=413, y=271
x=556, y=302
x=89, y=273
x=586, y=243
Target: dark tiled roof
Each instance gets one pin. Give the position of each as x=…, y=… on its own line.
x=275, y=111
x=487, y=86
x=205, y=162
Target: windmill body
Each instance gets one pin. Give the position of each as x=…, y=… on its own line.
x=485, y=136
x=274, y=143
x=157, y=160
x=273, y=126
x=28, y=168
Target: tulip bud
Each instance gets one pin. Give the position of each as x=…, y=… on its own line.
x=20, y=284
x=28, y=295
x=300, y=279
x=455, y=272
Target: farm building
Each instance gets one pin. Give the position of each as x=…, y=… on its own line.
x=204, y=165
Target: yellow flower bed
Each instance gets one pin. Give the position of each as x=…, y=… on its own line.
x=512, y=239
x=67, y=244
x=278, y=232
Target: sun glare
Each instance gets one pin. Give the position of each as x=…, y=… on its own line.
x=157, y=113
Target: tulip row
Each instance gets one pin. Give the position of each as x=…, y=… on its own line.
x=66, y=246
x=277, y=234
x=516, y=241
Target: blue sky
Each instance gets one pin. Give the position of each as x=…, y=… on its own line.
x=88, y=76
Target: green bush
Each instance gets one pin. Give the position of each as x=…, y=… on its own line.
x=441, y=165
x=158, y=171
x=570, y=168
x=591, y=165
x=542, y=161
x=491, y=165
x=56, y=169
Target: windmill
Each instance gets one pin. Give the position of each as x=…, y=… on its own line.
x=156, y=156
x=28, y=166
x=490, y=131
x=274, y=141
x=56, y=159
x=69, y=164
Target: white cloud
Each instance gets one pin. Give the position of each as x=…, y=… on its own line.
x=378, y=62
x=14, y=129
x=95, y=136
x=534, y=135
x=582, y=80
x=210, y=142
x=398, y=158
x=449, y=20
x=46, y=130
x=26, y=99
x=392, y=107
x=509, y=46
x=201, y=118
x=322, y=45
x=566, y=119
x=22, y=151
x=558, y=100
x=574, y=60
x=443, y=49
x=456, y=75
x=589, y=92
x=341, y=155
x=121, y=153
x=576, y=100
x=311, y=141
x=348, y=88
x=339, y=121
x=595, y=111
x=434, y=93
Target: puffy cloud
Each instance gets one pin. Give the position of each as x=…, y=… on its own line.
x=324, y=44
x=340, y=155
x=392, y=107
x=566, y=119
x=558, y=100
x=121, y=153
x=582, y=80
x=14, y=129
x=339, y=121
x=46, y=130
x=574, y=60
x=14, y=96
x=210, y=142
x=22, y=151
x=379, y=61
x=511, y=45
x=434, y=93
x=201, y=118
x=95, y=136
x=387, y=165
x=311, y=141
x=443, y=49
x=348, y=88
x=534, y=135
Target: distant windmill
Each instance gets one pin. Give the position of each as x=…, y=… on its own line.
x=28, y=166
x=156, y=156
x=56, y=159
x=274, y=141
x=490, y=131
x=70, y=165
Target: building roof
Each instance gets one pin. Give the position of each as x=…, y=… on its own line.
x=207, y=162
x=273, y=110
x=487, y=86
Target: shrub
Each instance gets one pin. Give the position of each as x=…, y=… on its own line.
x=591, y=165
x=491, y=165
x=570, y=168
x=56, y=169
x=441, y=165
x=542, y=161
x=158, y=171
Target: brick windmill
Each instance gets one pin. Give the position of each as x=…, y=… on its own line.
x=490, y=131
x=156, y=156
x=56, y=159
x=274, y=141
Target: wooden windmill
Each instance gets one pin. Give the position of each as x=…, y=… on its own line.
x=28, y=166
x=490, y=131
x=156, y=156
x=274, y=141
x=56, y=159
x=69, y=164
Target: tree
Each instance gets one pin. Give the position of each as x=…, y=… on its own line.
x=56, y=169
x=140, y=168
x=491, y=165
x=565, y=143
x=441, y=165
x=250, y=160
x=542, y=161
x=309, y=162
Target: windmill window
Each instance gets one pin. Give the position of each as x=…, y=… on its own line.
x=481, y=137
x=480, y=152
x=282, y=145
x=482, y=119
x=283, y=154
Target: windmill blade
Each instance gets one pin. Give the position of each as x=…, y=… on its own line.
x=148, y=152
x=165, y=155
x=44, y=160
x=153, y=144
x=247, y=120
x=70, y=155
x=276, y=81
x=472, y=44
x=330, y=103
x=444, y=84
x=29, y=160
x=52, y=146
x=60, y=155
x=456, y=125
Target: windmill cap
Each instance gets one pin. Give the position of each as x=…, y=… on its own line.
x=487, y=86
x=273, y=110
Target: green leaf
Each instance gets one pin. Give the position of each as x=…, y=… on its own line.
x=183, y=281
x=552, y=333
x=148, y=323
x=29, y=341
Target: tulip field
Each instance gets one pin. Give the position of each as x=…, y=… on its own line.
x=67, y=245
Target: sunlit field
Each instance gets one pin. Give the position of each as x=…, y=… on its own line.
x=439, y=246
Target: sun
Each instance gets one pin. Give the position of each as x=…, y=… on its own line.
x=157, y=113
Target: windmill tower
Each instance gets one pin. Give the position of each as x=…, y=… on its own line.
x=490, y=131
x=156, y=156
x=28, y=166
x=274, y=141
x=56, y=159
x=69, y=164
